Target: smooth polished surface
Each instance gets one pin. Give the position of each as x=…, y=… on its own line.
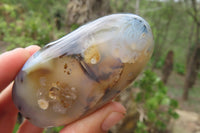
x=77, y=74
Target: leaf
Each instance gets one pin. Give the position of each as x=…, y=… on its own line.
x=16, y=127
x=165, y=101
x=173, y=103
x=138, y=97
x=161, y=125
x=151, y=115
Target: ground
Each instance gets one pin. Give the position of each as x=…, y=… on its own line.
x=188, y=122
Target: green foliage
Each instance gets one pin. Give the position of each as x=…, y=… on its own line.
x=16, y=41
x=54, y=129
x=160, y=62
x=16, y=127
x=37, y=28
x=180, y=68
x=21, y=27
x=74, y=27
x=57, y=129
x=156, y=105
x=24, y=33
x=141, y=127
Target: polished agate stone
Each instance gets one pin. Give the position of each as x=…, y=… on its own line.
x=77, y=74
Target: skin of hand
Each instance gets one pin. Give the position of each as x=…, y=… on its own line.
x=10, y=64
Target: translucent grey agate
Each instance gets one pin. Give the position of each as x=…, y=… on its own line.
x=77, y=74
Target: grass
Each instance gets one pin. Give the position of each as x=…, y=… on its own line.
x=49, y=130
x=16, y=127
x=53, y=130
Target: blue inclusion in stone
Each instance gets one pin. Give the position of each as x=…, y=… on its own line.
x=145, y=29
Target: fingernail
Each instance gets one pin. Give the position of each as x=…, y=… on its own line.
x=32, y=49
x=111, y=120
x=32, y=46
x=19, y=50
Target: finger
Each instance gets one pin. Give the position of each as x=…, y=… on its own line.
x=32, y=49
x=27, y=127
x=98, y=122
x=8, y=111
x=11, y=62
x=6, y=96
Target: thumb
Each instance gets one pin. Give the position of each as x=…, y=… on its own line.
x=98, y=122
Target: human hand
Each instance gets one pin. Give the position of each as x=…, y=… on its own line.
x=10, y=64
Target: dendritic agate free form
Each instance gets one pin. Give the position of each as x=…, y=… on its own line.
x=75, y=75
